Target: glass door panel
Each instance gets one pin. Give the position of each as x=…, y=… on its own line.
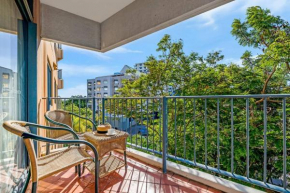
x=13, y=157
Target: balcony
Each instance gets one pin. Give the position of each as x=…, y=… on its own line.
x=212, y=140
x=139, y=177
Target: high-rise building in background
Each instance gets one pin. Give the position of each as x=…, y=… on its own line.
x=141, y=68
x=106, y=86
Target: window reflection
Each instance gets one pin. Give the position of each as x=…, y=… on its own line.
x=12, y=153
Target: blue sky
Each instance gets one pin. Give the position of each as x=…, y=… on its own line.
x=204, y=33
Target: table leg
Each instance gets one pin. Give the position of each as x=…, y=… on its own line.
x=125, y=159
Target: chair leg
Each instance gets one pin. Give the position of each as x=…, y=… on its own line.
x=97, y=165
x=125, y=159
x=34, y=187
x=47, y=148
x=84, y=167
x=76, y=169
x=79, y=170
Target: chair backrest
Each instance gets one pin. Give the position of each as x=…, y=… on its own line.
x=19, y=128
x=59, y=116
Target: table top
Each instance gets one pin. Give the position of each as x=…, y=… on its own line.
x=103, y=138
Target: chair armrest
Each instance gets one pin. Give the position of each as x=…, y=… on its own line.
x=55, y=141
x=54, y=128
x=94, y=125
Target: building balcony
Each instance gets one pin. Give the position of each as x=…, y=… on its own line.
x=194, y=144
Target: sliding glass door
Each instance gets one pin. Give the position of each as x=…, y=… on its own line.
x=13, y=157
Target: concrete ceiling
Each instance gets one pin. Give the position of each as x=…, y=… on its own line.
x=96, y=10
x=103, y=25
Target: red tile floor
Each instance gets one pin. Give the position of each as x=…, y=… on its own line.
x=138, y=177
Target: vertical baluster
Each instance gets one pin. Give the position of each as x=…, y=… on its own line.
x=72, y=103
x=284, y=146
x=205, y=130
x=64, y=104
x=110, y=110
x=122, y=114
x=94, y=111
x=194, y=131
x=175, y=140
x=218, y=133
x=79, y=115
x=131, y=122
x=103, y=110
x=141, y=122
x=248, y=137
x=164, y=133
x=160, y=107
x=86, y=113
x=118, y=113
x=147, y=123
x=184, y=128
x=72, y=110
x=126, y=112
x=114, y=112
x=265, y=141
x=98, y=107
x=232, y=135
x=136, y=114
x=153, y=122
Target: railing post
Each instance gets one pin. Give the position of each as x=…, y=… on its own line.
x=94, y=110
x=164, y=134
x=103, y=110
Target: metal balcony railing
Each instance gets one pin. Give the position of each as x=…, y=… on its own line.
x=242, y=137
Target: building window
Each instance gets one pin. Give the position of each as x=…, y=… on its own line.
x=116, y=81
x=98, y=82
x=48, y=84
x=105, y=82
x=105, y=88
x=5, y=94
x=55, y=90
x=89, y=90
x=98, y=89
x=5, y=85
x=99, y=95
x=5, y=76
x=105, y=94
x=89, y=84
x=116, y=88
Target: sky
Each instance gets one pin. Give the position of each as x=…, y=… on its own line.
x=204, y=33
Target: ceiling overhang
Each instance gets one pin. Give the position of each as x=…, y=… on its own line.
x=102, y=25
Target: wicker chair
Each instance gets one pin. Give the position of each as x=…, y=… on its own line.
x=48, y=165
x=62, y=118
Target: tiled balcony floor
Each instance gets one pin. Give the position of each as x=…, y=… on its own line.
x=139, y=177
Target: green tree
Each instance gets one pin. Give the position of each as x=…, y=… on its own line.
x=193, y=75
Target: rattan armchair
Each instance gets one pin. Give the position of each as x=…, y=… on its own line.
x=48, y=165
x=62, y=118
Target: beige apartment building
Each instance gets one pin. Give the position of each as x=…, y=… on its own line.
x=49, y=81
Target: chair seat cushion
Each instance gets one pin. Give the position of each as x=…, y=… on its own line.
x=61, y=160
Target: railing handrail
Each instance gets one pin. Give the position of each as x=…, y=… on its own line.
x=197, y=96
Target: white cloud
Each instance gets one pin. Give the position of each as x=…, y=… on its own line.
x=237, y=61
x=73, y=91
x=72, y=70
x=86, y=52
x=208, y=19
x=276, y=6
x=123, y=50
